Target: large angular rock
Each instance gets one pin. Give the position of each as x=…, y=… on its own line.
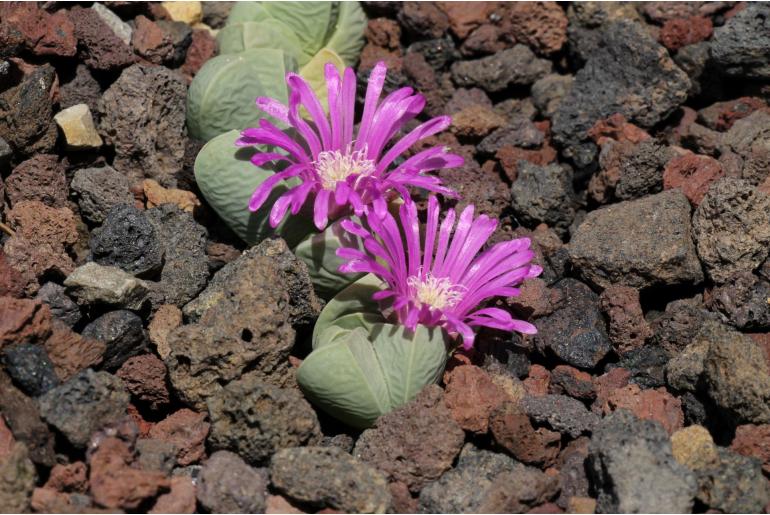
x=23, y=418
x=39, y=178
x=627, y=72
x=328, y=477
x=96, y=284
x=516, y=66
x=732, y=228
x=227, y=484
x=98, y=190
x=639, y=243
x=487, y=482
x=128, y=240
x=413, y=444
x=741, y=47
x=87, y=402
x=255, y=419
x=121, y=332
x=733, y=484
x=26, y=113
x=634, y=470
x=143, y=117
x=544, y=194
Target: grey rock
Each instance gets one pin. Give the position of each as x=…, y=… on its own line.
x=641, y=171
x=256, y=419
x=341, y=441
x=737, y=374
x=215, y=13
x=732, y=228
x=17, y=480
x=576, y=331
x=227, y=484
x=520, y=132
x=127, y=240
x=742, y=301
x=143, y=118
x=82, y=88
x=21, y=414
x=734, y=484
x=544, y=194
x=487, y=482
x=627, y=64
x=180, y=35
x=633, y=468
x=328, y=477
x=685, y=370
x=675, y=328
x=741, y=47
x=5, y=156
x=517, y=66
x=86, y=403
x=185, y=269
x=646, y=364
x=122, y=333
x=744, y=150
x=437, y=52
x=97, y=284
x=695, y=60
x=639, y=243
x=156, y=454
x=548, y=92
x=561, y=413
x=62, y=307
x=30, y=368
x=98, y=190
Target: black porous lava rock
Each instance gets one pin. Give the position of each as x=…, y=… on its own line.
x=123, y=334
x=561, y=413
x=517, y=66
x=741, y=48
x=544, y=194
x=30, y=368
x=127, y=240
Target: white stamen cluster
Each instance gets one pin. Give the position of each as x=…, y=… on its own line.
x=334, y=166
x=436, y=292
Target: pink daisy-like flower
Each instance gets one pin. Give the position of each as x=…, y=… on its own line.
x=441, y=279
x=339, y=172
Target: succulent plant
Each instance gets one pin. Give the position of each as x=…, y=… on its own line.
x=227, y=178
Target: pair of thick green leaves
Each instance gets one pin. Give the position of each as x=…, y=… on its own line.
x=260, y=43
x=362, y=367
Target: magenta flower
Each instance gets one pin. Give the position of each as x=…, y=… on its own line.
x=441, y=279
x=338, y=172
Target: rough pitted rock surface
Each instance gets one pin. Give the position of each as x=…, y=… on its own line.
x=487, y=482
x=143, y=117
x=22, y=417
x=740, y=48
x=122, y=333
x=17, y=480
x=98, y=190
x=84, y=404
x=128, y=240
x=516, y=66
x=641, y=171
x=628, y=72
x=61, y=306
x=732, y=228
x=631, y=458
x=26, y=114
x=328, y=477
x=38, y=178
x=413, y=444
x=227, y=484
x=30, y=368
x=575, y=332
x=733, y=484
x=563, y=414
x=639, y=243
x=256, y=419
x=544, y=194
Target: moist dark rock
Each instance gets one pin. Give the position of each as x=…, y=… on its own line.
x=143, y=118
x=227, y=484
x=328, y=477
x=423, y=19
x=99, y=190
x=563, y=414
x=415, y=443
x=695, y=60
x=437, y=52
x=39, y=178
x=627, y=64
x=646, y=364
x=61, y=306
x=127, y=240
x=544, y=194
x=633, y=469
x=23, y=419
x=734, y=484
x=741, y=48
x=256, y=419
x=84, y=404
x=81, y=88
x=17, y=480
x=26, y=113
x=516, y=66
x=548, y=92
x=674, y=329
x=487, y=482
x=737, y=374
x=575, y=331
x=641, y=171
x=123, y=334
x=98, y=46
x=185, y=264
x=743, y=301
x=30, y=368
x=732, y=228
x=638, y=243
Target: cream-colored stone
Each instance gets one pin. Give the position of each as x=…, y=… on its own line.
x=581, y=505
x=188, y=12
x=693, y=447
x=77, y=124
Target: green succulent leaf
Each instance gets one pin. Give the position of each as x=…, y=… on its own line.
x=318, y=251
x=221, y=96
x=314, y=73
x=361, y=374
x=347, y=38
x=237, y=37
x=352, y=307
x=227, y=180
